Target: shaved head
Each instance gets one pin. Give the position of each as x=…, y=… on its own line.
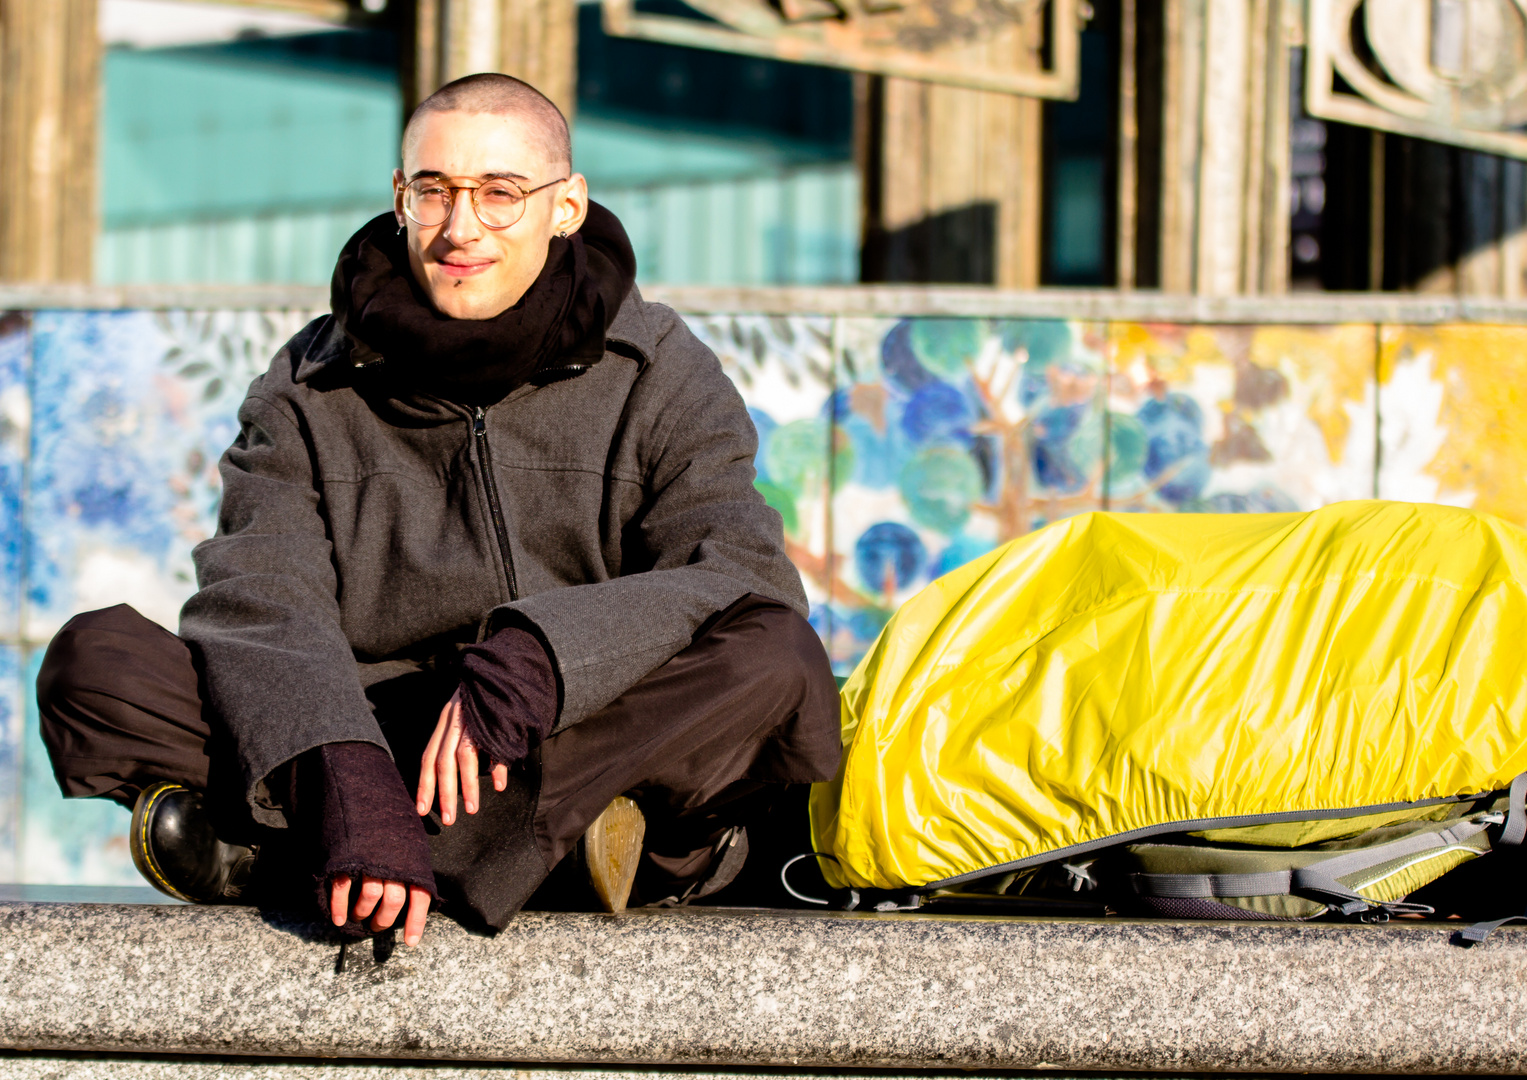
x=480, y=128
x=502, y=95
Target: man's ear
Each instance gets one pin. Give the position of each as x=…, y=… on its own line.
x=572, y=205
x=397, y=197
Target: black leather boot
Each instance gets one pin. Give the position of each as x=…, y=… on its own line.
x=176, y=848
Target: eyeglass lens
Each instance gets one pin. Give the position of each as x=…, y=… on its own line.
x=499, y=204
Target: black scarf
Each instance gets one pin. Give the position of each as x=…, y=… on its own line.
x=555, y=331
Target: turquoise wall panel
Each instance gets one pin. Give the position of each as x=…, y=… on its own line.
x=219, y=168
x=192, y=134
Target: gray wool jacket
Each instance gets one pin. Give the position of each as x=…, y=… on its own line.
x=363, y=532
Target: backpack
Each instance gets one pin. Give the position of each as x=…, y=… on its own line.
x=1268, y=716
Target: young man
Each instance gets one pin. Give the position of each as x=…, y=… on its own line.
x=493, y=515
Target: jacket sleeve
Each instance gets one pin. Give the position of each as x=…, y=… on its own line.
x=278, y=670
x=709, y=540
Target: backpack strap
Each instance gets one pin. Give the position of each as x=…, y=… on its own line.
x=1213, y=886
x=1512, y=834
x=1473, y=935
x=1515, y=830
x=1318, y=881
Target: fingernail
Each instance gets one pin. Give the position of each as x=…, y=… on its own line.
x=411, y=941
x=446, y=818
x=423, y=809
x=471, y=808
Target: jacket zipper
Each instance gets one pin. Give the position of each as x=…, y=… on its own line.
x=495, y=509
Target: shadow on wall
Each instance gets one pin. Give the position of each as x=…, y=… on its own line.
x=955, y=247
x=1440, y=208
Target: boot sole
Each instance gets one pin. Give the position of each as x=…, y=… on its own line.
x=138, y=838
x=612, y=848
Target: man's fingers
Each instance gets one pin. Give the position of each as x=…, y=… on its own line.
x=445, y=773
x=426, y=793
x=394, y=893
x=418, y=908
x=466, y=763
x=500, y=777
x=371, y=892
x=339, y=899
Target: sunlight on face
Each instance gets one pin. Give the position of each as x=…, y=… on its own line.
x=468, y=270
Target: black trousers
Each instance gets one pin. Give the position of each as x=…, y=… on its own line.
x=698, y=743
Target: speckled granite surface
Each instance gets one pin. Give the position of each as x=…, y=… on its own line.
x=44, y=1066
x=719, y=988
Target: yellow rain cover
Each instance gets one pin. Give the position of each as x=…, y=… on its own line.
x=1118, y=672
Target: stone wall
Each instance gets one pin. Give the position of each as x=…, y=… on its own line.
x=720, y=992
x=902, y=433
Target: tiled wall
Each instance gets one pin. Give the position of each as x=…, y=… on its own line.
x=895, y=449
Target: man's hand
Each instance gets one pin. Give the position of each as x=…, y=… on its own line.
x=382, y=900
x=449, y=755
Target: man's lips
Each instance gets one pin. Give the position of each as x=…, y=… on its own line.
x=465, y=269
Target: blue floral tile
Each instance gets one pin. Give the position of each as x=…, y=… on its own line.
x=1235, y=419
x=12, y=713
x=783, y=368
x=64, y=841
x=15, y=431
x=952, y=436
x=131, y=411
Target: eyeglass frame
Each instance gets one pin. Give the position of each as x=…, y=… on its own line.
x=473, y=188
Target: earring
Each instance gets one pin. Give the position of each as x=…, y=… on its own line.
x=401, y=229
x=563, y=234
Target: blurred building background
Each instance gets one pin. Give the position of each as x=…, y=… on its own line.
x=243, y=144
x=1202, y=146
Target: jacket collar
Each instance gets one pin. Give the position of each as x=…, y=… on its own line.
x=631, y=328
x=334, y=350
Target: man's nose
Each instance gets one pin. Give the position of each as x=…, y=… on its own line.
x=463, y=226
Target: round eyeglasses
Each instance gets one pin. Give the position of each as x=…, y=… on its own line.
x=427, y=200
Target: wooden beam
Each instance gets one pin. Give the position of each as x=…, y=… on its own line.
x=1275, y=159
x=955, y=191
x=1128, y=148
x=1224, y=147
x=336, y=11
x=49, y=89
x=888, y=39
x=1181, y=105
x=534, y=40
x=539, y=43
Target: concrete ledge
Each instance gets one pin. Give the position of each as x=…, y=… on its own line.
x=41, y=1066
x=719, y=988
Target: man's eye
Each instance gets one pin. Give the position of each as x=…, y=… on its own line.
x=497, y=193
x=433, y=193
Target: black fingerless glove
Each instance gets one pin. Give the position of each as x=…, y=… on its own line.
x=508, y=695
x=365, y=819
